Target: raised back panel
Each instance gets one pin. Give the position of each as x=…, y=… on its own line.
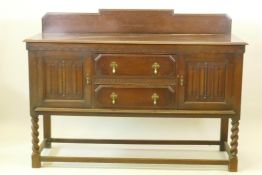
x=136, y=21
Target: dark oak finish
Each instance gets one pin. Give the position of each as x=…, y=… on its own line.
x=130, y=65
x=144, y=142
x=47, y=130
x=134, y=160
x=135, y=21
x=223, y=133
x=134, y=96
x=135, y=39
x=136, y=63
x=207, y=81
x=138, y=113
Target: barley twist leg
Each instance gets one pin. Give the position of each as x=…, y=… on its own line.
x=233, y=160
x=35, y=142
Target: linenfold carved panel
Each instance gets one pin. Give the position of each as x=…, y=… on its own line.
x=208, y=81
x=205, y=81
x=63, y=78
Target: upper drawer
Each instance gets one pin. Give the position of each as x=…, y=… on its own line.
x=135, y=65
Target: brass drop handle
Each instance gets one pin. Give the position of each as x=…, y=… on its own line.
x=113, y=65
x=155, y=67
x=155, y=97
x=113, y=97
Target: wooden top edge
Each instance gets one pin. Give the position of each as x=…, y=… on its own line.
x=93, y=38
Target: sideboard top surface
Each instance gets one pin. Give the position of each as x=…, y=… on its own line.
x=111, y=38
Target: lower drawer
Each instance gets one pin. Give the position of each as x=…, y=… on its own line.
x=123, y=96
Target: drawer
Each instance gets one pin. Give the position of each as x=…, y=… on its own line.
x=123, y=96
x=134, y=65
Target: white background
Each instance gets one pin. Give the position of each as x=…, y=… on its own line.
x=20, y=19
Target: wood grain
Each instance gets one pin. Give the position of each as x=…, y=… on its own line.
x=135, y=65
x=135, y=21
x=134, y=160
x=208, y=81
x=116, y=38
x=144, y=142
x=134, y=96
x=168, y=65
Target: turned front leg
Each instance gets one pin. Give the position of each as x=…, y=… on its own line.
x=35, y=141
x=233, y=160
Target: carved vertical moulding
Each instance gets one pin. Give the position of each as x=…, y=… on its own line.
x=63, y=78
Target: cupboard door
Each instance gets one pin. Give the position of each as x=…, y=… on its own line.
x=64, y=78
x=205, y=81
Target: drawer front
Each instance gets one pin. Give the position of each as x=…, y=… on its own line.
x=134, y=65
x=121, y=96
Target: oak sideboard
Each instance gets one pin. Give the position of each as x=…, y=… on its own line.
x=136, y=63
